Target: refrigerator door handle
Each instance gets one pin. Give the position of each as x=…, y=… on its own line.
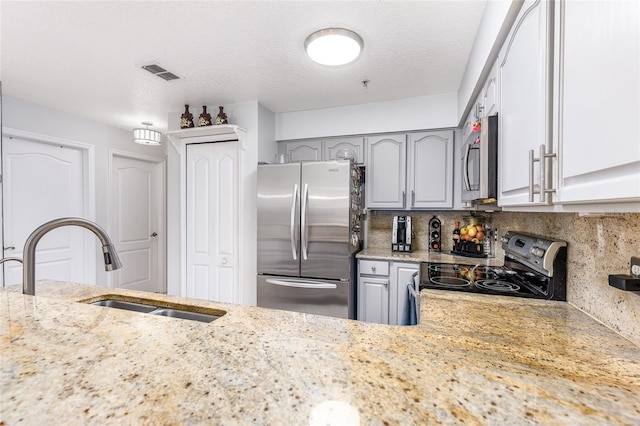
x=294, y=201
x=301, y=284
x=305, y=228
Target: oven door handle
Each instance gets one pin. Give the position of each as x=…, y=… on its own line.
x=465, y=166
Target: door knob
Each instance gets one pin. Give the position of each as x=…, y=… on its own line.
x=155, y=234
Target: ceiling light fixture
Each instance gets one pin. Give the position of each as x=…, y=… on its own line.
x=333, y=46
x=147, y=136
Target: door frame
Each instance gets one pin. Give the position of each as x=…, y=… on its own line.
x=162, y=201
x=88, y=175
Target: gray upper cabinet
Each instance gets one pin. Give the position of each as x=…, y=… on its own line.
x=297, y=151
x=386, y=159
x=430, y=170
x=355, y=144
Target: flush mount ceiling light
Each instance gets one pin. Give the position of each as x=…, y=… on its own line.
x=333, y=46
x=147, y=136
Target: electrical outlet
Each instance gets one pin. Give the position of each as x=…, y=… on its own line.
x=635, y=266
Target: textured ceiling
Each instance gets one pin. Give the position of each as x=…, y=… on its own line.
x=84, y=57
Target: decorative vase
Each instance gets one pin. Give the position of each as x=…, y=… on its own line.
x=222, y=117
x=205, y=117
x=186, y=121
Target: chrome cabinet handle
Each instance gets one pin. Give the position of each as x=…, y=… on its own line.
x=305, y=227
x=413, y=198
x=542, y=190
x=155, y=234
x=404, y=198
x=10, y=248
x=532, y=160
x=386, y=284
x=294, y=200
x=373, y=269
x=543, y=174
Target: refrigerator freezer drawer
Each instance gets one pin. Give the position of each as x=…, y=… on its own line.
x=320, y=297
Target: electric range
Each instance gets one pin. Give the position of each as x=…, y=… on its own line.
x=534, y=266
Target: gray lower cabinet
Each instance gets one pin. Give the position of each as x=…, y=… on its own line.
x=382, y=290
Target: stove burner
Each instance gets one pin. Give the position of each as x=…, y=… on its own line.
x=497, y=285
x=504, y=272
x=444, y=268
x=451, y=282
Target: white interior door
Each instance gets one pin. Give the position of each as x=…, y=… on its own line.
x=137, y=223
x=212, y=221
x=42, y=181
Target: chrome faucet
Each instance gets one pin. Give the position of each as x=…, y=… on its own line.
x=111, y=260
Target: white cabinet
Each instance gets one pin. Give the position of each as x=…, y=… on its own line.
x=298, y=151
x=525, y=107
x=212, y=221
x=354, y=144
x=401, y=275
x=386, y=159
x=430, y=173
x=382, y=290
x=489, y=94
x=598, y=98
x=556, y=151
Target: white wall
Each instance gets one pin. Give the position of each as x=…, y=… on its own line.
x=425, y=112
x=497, y=19
x=23, y=115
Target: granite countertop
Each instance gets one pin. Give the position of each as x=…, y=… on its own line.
x=424, y=256
x=473, y=359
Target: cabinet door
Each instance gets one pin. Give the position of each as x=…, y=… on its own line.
x=298, y=151
x=599, y=149
x=212, y=221
x=430, y=176
x=490, y=93
x=525, y=105
x=331, y=146
x=386, y=171
x=401, y=273
x=373, y=299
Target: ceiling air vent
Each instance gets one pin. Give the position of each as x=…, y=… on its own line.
x=160, y=72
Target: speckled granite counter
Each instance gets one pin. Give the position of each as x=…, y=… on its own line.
x=424, y=256
x=474, y=358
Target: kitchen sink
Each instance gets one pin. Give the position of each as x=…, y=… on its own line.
x=127, y=306
x=152, y=307
x=177, y=313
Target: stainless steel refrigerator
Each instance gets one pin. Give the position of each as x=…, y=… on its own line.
x=308, y=234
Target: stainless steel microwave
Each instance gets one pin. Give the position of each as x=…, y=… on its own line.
x=480, y=163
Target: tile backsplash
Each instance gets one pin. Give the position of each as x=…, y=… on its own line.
x=598, y=246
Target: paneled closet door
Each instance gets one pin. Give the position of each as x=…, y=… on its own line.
x=212, y=221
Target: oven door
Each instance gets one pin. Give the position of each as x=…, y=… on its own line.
x=321, y=297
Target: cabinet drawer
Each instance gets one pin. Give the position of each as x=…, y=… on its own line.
x=374, y=267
